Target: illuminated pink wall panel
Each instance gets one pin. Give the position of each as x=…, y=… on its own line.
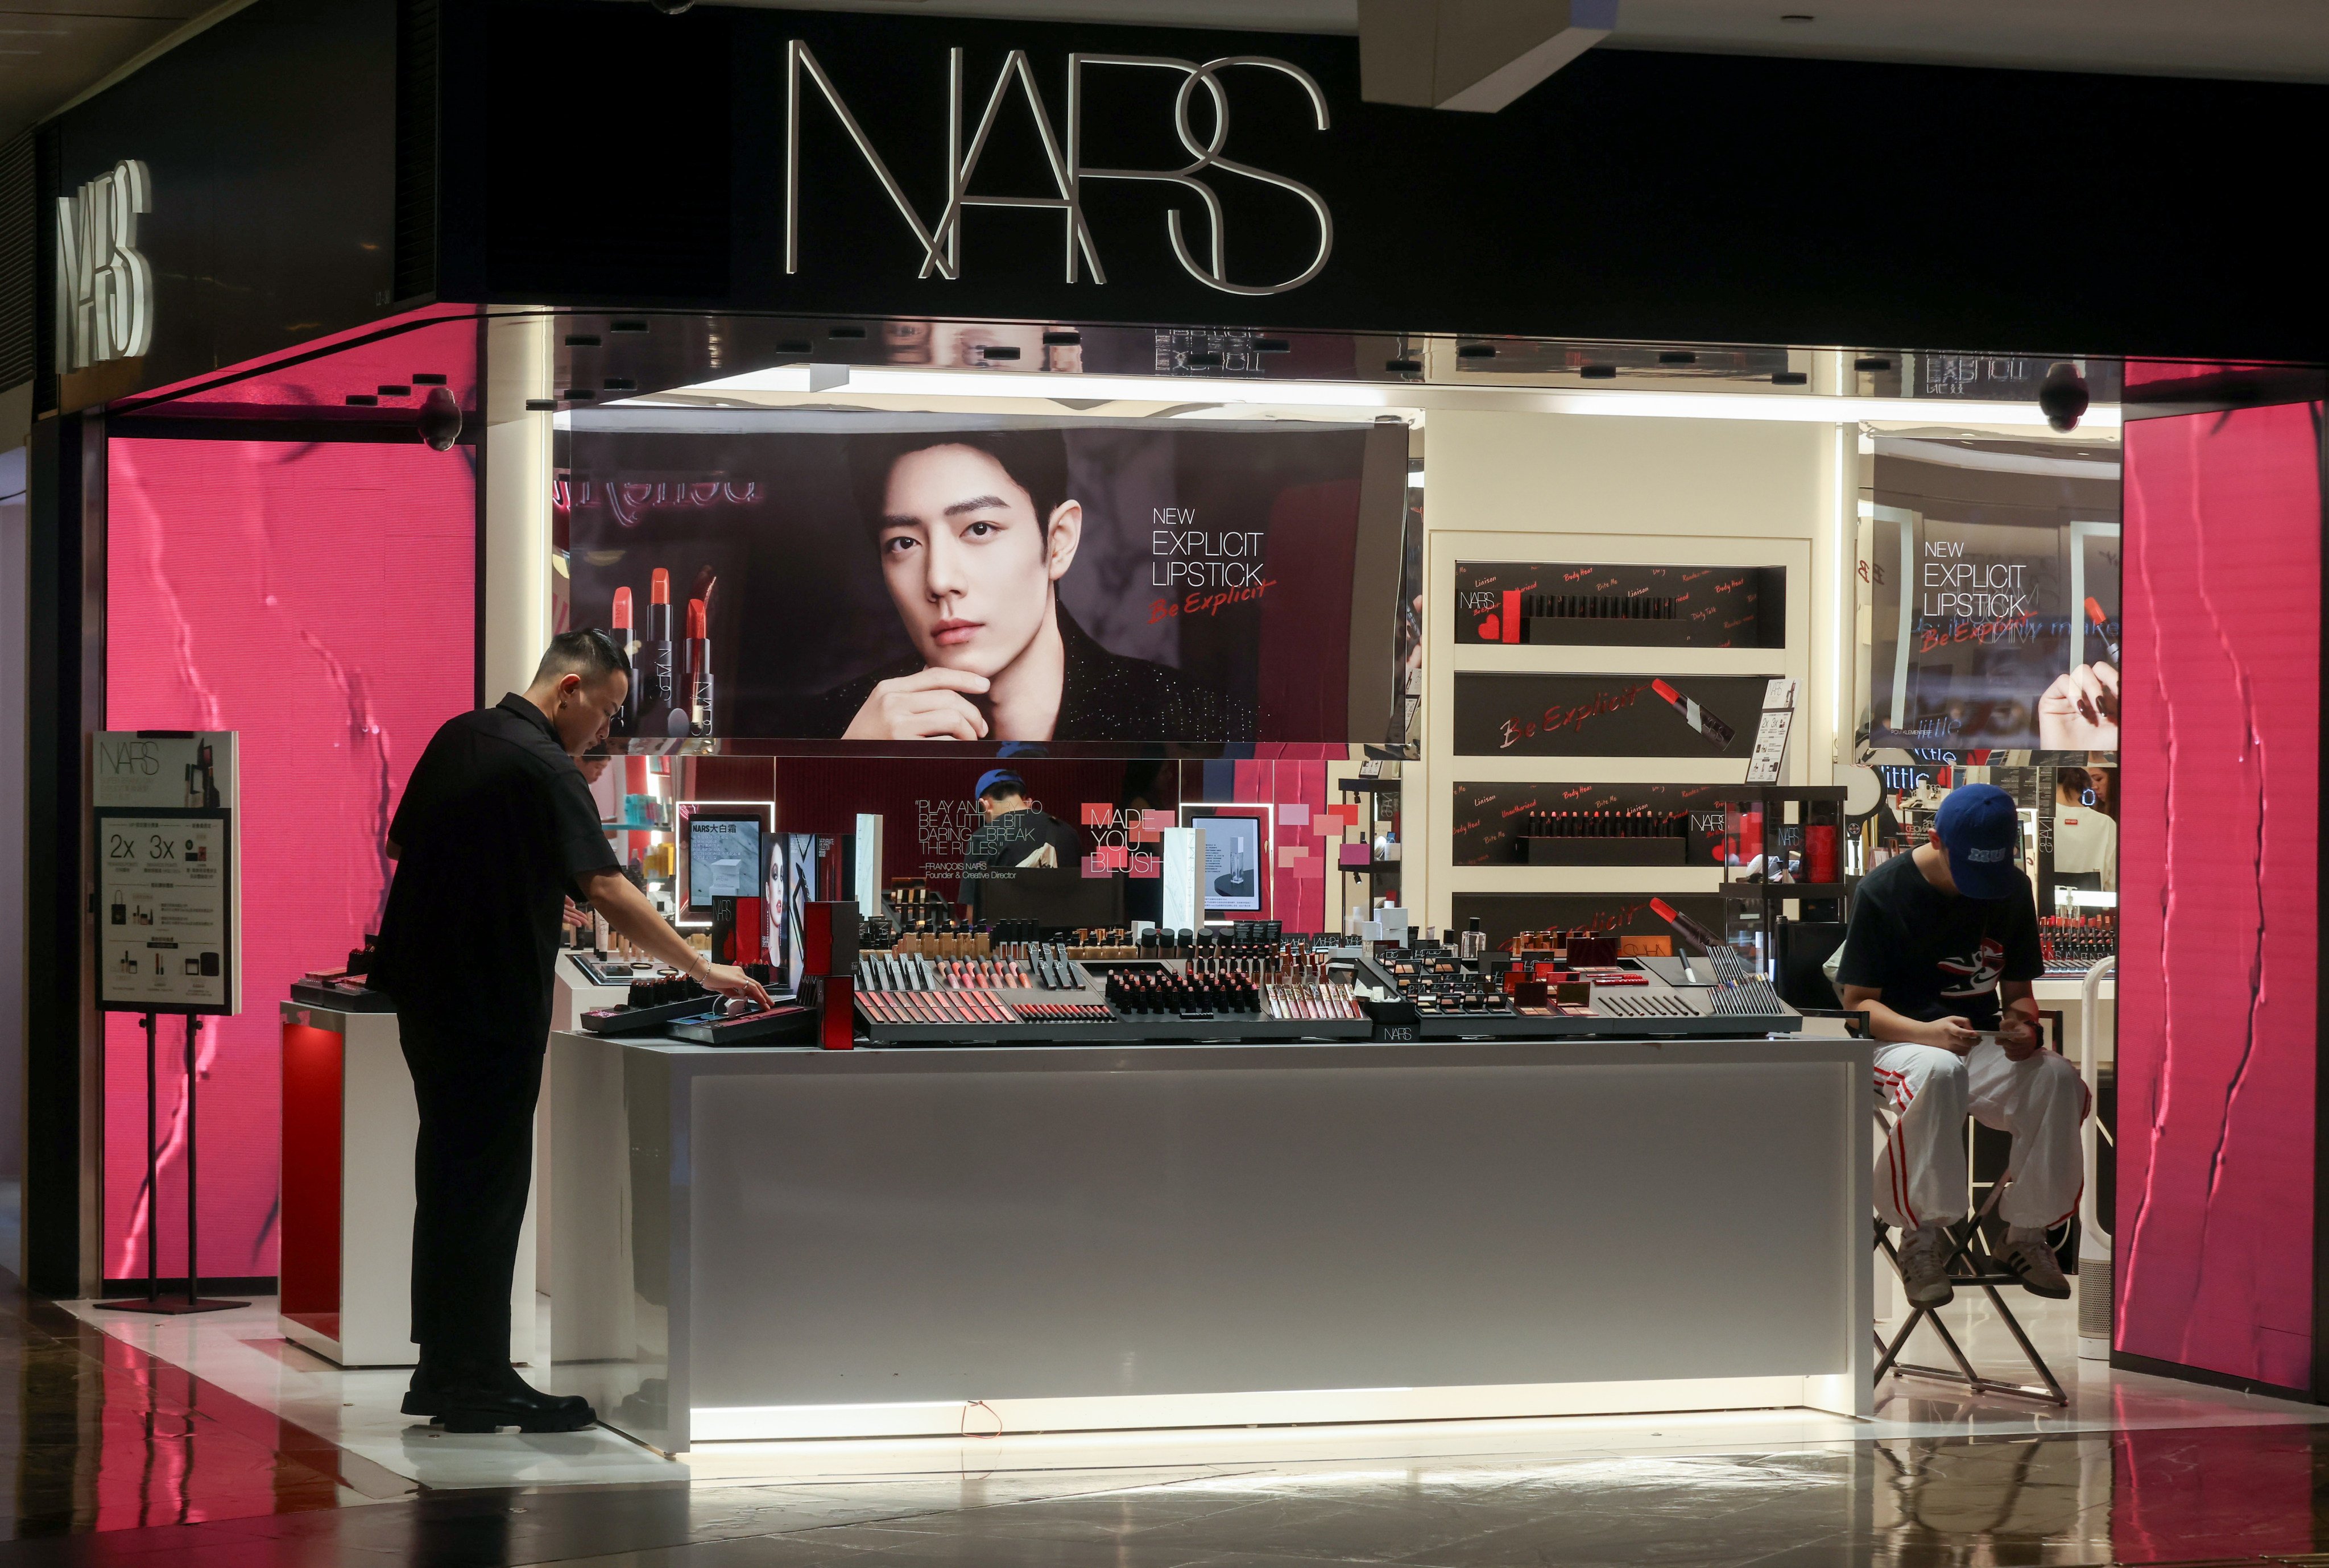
x=2218, y=883
x=320, y=599
x=1288, y=774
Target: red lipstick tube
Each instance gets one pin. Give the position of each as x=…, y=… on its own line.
x=699, y=670
x=2102, y=630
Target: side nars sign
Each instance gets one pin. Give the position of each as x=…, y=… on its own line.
x=1063, y=155
x=105, y=286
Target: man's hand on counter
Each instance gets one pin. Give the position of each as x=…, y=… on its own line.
x=626, y=909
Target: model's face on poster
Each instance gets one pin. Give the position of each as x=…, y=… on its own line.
x=968, y=562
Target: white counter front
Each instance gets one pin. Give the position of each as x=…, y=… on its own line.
x=768, y=1244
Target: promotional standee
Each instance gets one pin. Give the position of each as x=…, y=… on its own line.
x=168, y=914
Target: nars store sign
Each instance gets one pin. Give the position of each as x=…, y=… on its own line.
x=105, y=286
x=942, y=240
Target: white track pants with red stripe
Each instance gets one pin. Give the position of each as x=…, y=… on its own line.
x=1920, y=1167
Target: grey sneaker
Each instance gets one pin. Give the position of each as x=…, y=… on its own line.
x=2028, y=1258
x=1921, y=1275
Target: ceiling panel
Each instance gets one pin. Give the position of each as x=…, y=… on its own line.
x=51, y=50
x=2271, y=40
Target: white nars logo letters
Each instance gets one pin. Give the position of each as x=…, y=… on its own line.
x=105, y=286
x=942, y=242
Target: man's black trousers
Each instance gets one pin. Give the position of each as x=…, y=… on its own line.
x=472, y=1166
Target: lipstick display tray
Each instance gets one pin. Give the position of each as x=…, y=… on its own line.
x=646, y=1020
x=1122, y=1029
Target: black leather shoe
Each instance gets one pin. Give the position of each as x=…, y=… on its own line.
x=436, y=1394
x=478, y=1409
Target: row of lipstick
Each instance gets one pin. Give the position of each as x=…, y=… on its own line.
x=1639, y=823
x=1166, y=992
x=912, y=972
x=937, y=1007
x=1320, y=999
x=1596, y=607
x=2068, y=938
x=1303, y=967
x=1229, y=991
x=668, y=697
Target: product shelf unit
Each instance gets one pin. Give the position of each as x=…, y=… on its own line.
x=1381, y=796
x=1774, y=800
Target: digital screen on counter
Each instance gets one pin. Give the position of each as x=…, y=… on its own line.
x=1232, y=876
x=724, y=859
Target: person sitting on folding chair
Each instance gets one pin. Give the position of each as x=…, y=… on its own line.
x=1936, y=936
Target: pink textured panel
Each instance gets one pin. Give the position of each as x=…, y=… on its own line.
x=321, y=600
x=1292, y=773
x=2222, y=732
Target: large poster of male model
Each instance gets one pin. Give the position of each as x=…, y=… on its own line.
x=881, y=579
x=1989, y=574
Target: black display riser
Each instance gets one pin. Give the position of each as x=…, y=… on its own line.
x=1601, y=851
x=1583, y=631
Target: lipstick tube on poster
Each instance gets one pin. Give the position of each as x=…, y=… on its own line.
x=2102, y=630
x=699, y=670
x=627, y=722
x=662, y=686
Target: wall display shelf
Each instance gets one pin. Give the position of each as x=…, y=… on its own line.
x=1606, y=716
x=1570, y=604
x=1493, y=823
x=1380, y=815
x=1503, y=915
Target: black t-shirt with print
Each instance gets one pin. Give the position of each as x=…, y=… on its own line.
x=1938, y=955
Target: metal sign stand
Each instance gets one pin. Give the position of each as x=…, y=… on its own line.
x=193, y=1301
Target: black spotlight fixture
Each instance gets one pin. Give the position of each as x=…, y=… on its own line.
x=2063, y=397
x=670, y=7
x=439, y=420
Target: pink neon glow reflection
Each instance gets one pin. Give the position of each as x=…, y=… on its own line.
x=2217, y=989
x=319, y=600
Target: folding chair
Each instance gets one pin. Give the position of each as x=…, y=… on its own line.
x=1969, y=1263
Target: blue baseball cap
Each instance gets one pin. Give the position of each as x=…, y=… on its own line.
x=993, y=776
x=1979, y=828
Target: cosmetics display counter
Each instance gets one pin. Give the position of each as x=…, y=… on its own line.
x=773, y=1242
x=349, y=1121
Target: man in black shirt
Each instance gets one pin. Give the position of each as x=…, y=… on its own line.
x=497, y=829
x=1937, y=935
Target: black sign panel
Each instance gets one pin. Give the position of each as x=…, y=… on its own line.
x=1490, y=818
x=1504, y=915
x=1564, y=603
x=268, y=146
x=1631, y=715
x=1588, y=207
